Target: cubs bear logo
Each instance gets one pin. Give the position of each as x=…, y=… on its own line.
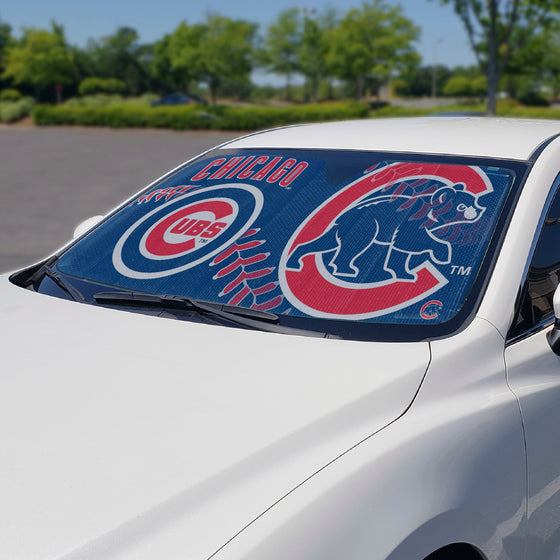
x=186, y=231
x=356, y=256
x=431, y=310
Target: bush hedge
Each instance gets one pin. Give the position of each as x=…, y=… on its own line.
x=194, y=117
x=105, y=99
x=12, y=111
x=97, y=100
x=531, y=112
x=533, y=99
x=10, y=94
x=92, y=86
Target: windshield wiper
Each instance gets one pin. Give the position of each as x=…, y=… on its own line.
x=141, y=299
x=62, y=283
x=244, y=316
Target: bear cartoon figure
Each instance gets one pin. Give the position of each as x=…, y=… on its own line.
x=388, y=229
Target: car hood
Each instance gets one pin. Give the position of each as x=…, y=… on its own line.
x=129, y=436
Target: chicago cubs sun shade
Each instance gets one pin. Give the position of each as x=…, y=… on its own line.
x=341, y=235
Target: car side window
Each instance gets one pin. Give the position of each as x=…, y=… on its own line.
x=535, y=305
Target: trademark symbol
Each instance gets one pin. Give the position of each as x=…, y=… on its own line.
x=461, y=270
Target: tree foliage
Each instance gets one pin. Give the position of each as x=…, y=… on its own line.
x=181, y=53
x=281, y=46
x=93, y=86
x=537, y=64
x=418, y=81
x=5, y=40
x=371, y=42
x=221, y=53
x=497, y=30
x=226, y=51
x=218, y=50
x=165, y=74
x=120, y=56
x=313, y=49
x=462, y=86
x=550, y=61
x=332, y=54
x=41, y=58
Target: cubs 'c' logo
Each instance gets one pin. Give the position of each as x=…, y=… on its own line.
x=372, y=220
x=186, y=231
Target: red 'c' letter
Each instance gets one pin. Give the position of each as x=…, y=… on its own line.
x=202, y=174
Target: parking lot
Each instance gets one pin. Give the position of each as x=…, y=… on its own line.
x=53, y=178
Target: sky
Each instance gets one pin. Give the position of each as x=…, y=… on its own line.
x=443, y=39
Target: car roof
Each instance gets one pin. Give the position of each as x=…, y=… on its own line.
x=464, y=136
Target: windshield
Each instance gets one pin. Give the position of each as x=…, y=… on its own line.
x=331, y=240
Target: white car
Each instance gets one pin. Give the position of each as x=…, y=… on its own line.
x=322, y=342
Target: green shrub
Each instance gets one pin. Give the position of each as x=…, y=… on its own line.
x=253, y=118
x=186, y=117
x=12, y=111
x=530, y=112
x=533, y=99
x=397, y=111
x=457, y=86
x=400, y=87
x=92, y=86
x=106, y=100
x=10, y=94
x=119, y=116
x=479, y=86
x=506, y=104
x=97, y=100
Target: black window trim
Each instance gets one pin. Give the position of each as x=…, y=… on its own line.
x=548, y=320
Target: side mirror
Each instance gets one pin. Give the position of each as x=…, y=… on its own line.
x=86, y=225
x=554, y=335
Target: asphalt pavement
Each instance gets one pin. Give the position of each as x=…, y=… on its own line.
x=53, y=178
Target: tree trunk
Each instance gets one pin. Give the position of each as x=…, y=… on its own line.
x=330, y=90
x=58, y=91
x=315, y=87
x=360, y=82
x=214, y=83
x=492, y=60
x=492, y=87
x=510, y=86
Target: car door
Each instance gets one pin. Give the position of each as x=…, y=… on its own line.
x=533, y=371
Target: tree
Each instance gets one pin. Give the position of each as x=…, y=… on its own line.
x=370, y=43
x=550, y=61
x=497, y=30
x=313, y=48
x=418, y=81
x=41, y=58
x=281, y=46
x=179, y=56
x=5, y=40
x=538, y=63
x=461, y=86
x=226, y=51
x=121, y=56
x=221, y=49
x=166, y=76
